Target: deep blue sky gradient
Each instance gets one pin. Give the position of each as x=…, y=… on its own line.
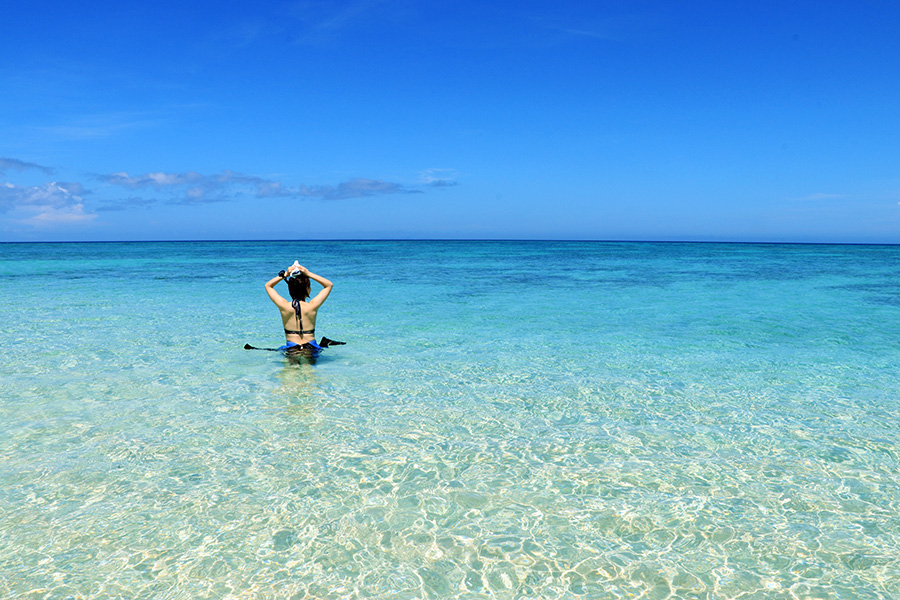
x=746, y=121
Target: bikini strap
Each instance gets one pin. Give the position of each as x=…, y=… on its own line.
x=298, y=314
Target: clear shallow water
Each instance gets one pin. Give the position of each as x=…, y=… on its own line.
x=507, y=420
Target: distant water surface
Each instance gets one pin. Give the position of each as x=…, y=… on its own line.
x=507, y=420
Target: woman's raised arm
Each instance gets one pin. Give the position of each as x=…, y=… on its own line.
x=270, y=290
x=327, y=286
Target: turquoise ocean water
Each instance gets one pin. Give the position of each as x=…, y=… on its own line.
x=507, y=420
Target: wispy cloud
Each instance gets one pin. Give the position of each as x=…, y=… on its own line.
x=354, y=188
x=13, y=164
x=438, y=177
x=597, y=34
x=100, y=125
x=821, y=196
x=321, y=20
x=123, y=204
x=576, y=25
x=189, y=178
x=195, y=188
x=189, y=187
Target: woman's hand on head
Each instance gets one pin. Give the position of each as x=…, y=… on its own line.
x=290, y=270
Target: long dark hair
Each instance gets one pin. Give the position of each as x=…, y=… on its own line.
x=298, y=287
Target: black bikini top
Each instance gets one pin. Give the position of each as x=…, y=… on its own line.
x=296, y=305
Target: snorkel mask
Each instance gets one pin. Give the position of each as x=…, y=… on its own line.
x=293, y=270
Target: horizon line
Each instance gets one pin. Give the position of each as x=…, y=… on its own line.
x=517, y=240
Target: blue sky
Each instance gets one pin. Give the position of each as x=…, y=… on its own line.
x=639, y=120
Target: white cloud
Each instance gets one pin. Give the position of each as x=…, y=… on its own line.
x=52, y=216
x=56, y=195
x=48, y=204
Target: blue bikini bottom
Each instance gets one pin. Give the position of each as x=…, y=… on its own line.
x=294, y=347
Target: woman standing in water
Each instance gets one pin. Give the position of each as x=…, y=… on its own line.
x=299, y=315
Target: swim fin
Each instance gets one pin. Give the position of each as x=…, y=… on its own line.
x=249, y=347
